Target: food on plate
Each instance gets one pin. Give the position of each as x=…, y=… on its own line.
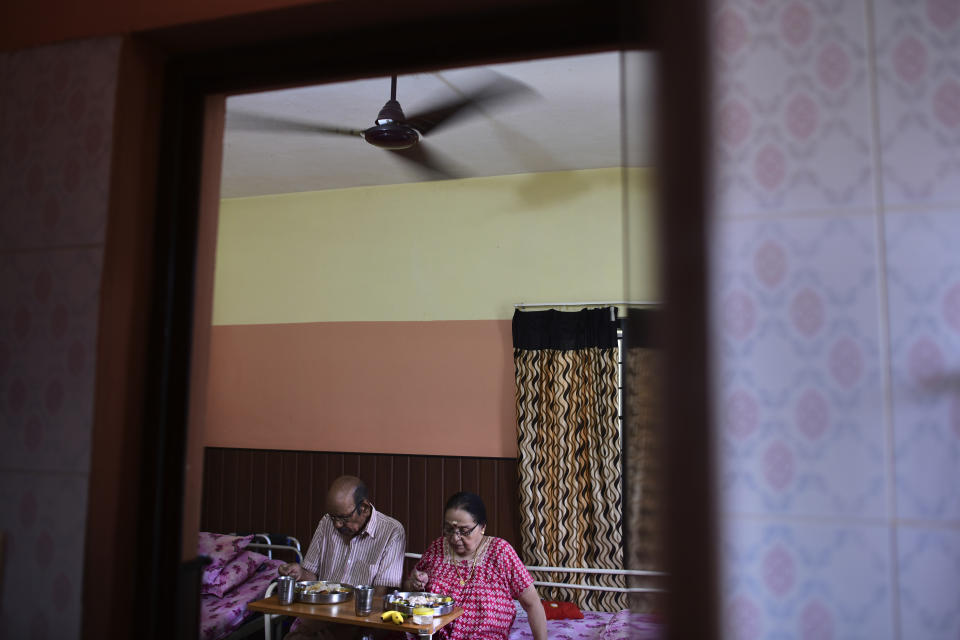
x=424, y=600
x=325, y=588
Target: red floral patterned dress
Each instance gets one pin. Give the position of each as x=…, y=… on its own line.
x=485, y=589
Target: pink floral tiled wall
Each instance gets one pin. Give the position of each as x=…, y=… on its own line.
x=836, y=325
x=56, y=121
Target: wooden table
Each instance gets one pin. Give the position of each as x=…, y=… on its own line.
x=343, y=613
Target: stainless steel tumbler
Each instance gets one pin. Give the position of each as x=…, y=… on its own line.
x=363, y=599
x=285, y=585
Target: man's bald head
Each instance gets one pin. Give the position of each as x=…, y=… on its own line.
x=346, y=490
x=348, y=505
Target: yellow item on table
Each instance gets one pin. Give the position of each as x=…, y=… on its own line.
x=393, y=616
x=423, y=615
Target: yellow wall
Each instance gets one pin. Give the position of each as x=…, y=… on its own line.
x=451, y=250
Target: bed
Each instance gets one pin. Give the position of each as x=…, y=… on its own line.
x=240, y=570
x=594, y=625
x=622, y=625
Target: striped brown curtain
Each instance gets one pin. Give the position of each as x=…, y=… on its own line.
x=570, y=449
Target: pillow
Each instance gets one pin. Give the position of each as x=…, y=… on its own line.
x=221, y=549
x=235, y=572
x=557, y=610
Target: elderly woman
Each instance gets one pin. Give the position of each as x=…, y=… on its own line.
x=482, y=573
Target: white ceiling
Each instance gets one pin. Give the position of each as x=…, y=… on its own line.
x=571, y=120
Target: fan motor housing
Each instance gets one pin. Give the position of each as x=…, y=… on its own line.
x=392, y=136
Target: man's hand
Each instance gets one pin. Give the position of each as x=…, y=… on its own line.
x=291, y=569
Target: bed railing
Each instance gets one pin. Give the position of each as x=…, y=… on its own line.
x=294, y=547
x=582, y=570
x=270, y=548
x=269, y=617
x=271, y=542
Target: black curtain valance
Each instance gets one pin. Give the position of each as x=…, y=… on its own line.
x=552, y=329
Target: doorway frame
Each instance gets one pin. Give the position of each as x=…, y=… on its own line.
x=337, y=41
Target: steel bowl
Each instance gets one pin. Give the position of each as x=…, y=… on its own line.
x=399, y=601
x=317, y=596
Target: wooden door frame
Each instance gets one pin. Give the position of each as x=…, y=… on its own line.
x=331, y=41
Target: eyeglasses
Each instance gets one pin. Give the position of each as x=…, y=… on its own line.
x=463, y=532
x=343, y=519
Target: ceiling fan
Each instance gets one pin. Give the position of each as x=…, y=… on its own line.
x=392, y=129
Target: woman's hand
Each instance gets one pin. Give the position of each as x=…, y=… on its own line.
x=418, y=580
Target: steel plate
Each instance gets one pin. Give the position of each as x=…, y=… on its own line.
x=315, y=597
x=390, y=602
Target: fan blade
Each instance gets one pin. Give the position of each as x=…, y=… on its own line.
x=426, y=161
x=442, y=114
x=246, y=121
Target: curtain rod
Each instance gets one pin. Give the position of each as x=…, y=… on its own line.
x=615, y=303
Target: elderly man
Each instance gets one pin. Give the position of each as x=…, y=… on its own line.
x=354, y=543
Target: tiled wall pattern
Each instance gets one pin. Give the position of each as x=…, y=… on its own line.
x=56, y=122
x=836, y=326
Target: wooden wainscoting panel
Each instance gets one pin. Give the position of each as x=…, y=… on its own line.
x=239, y=471
x=436, y=494
x=211, y=500
x=508, y=508
x=487, y=486
x=273, y=491
x=256, y=490
x=303, y=485
x=418, y=527
x=451, y=475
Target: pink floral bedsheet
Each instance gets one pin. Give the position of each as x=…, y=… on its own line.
x=595, y=625
x=221, y=616
x=637, y=626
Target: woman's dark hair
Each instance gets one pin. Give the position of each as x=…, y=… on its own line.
x=469, y=502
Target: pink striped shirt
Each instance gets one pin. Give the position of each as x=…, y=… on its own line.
x=373, y=556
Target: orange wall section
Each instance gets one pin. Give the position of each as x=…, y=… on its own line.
x=438, y=388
